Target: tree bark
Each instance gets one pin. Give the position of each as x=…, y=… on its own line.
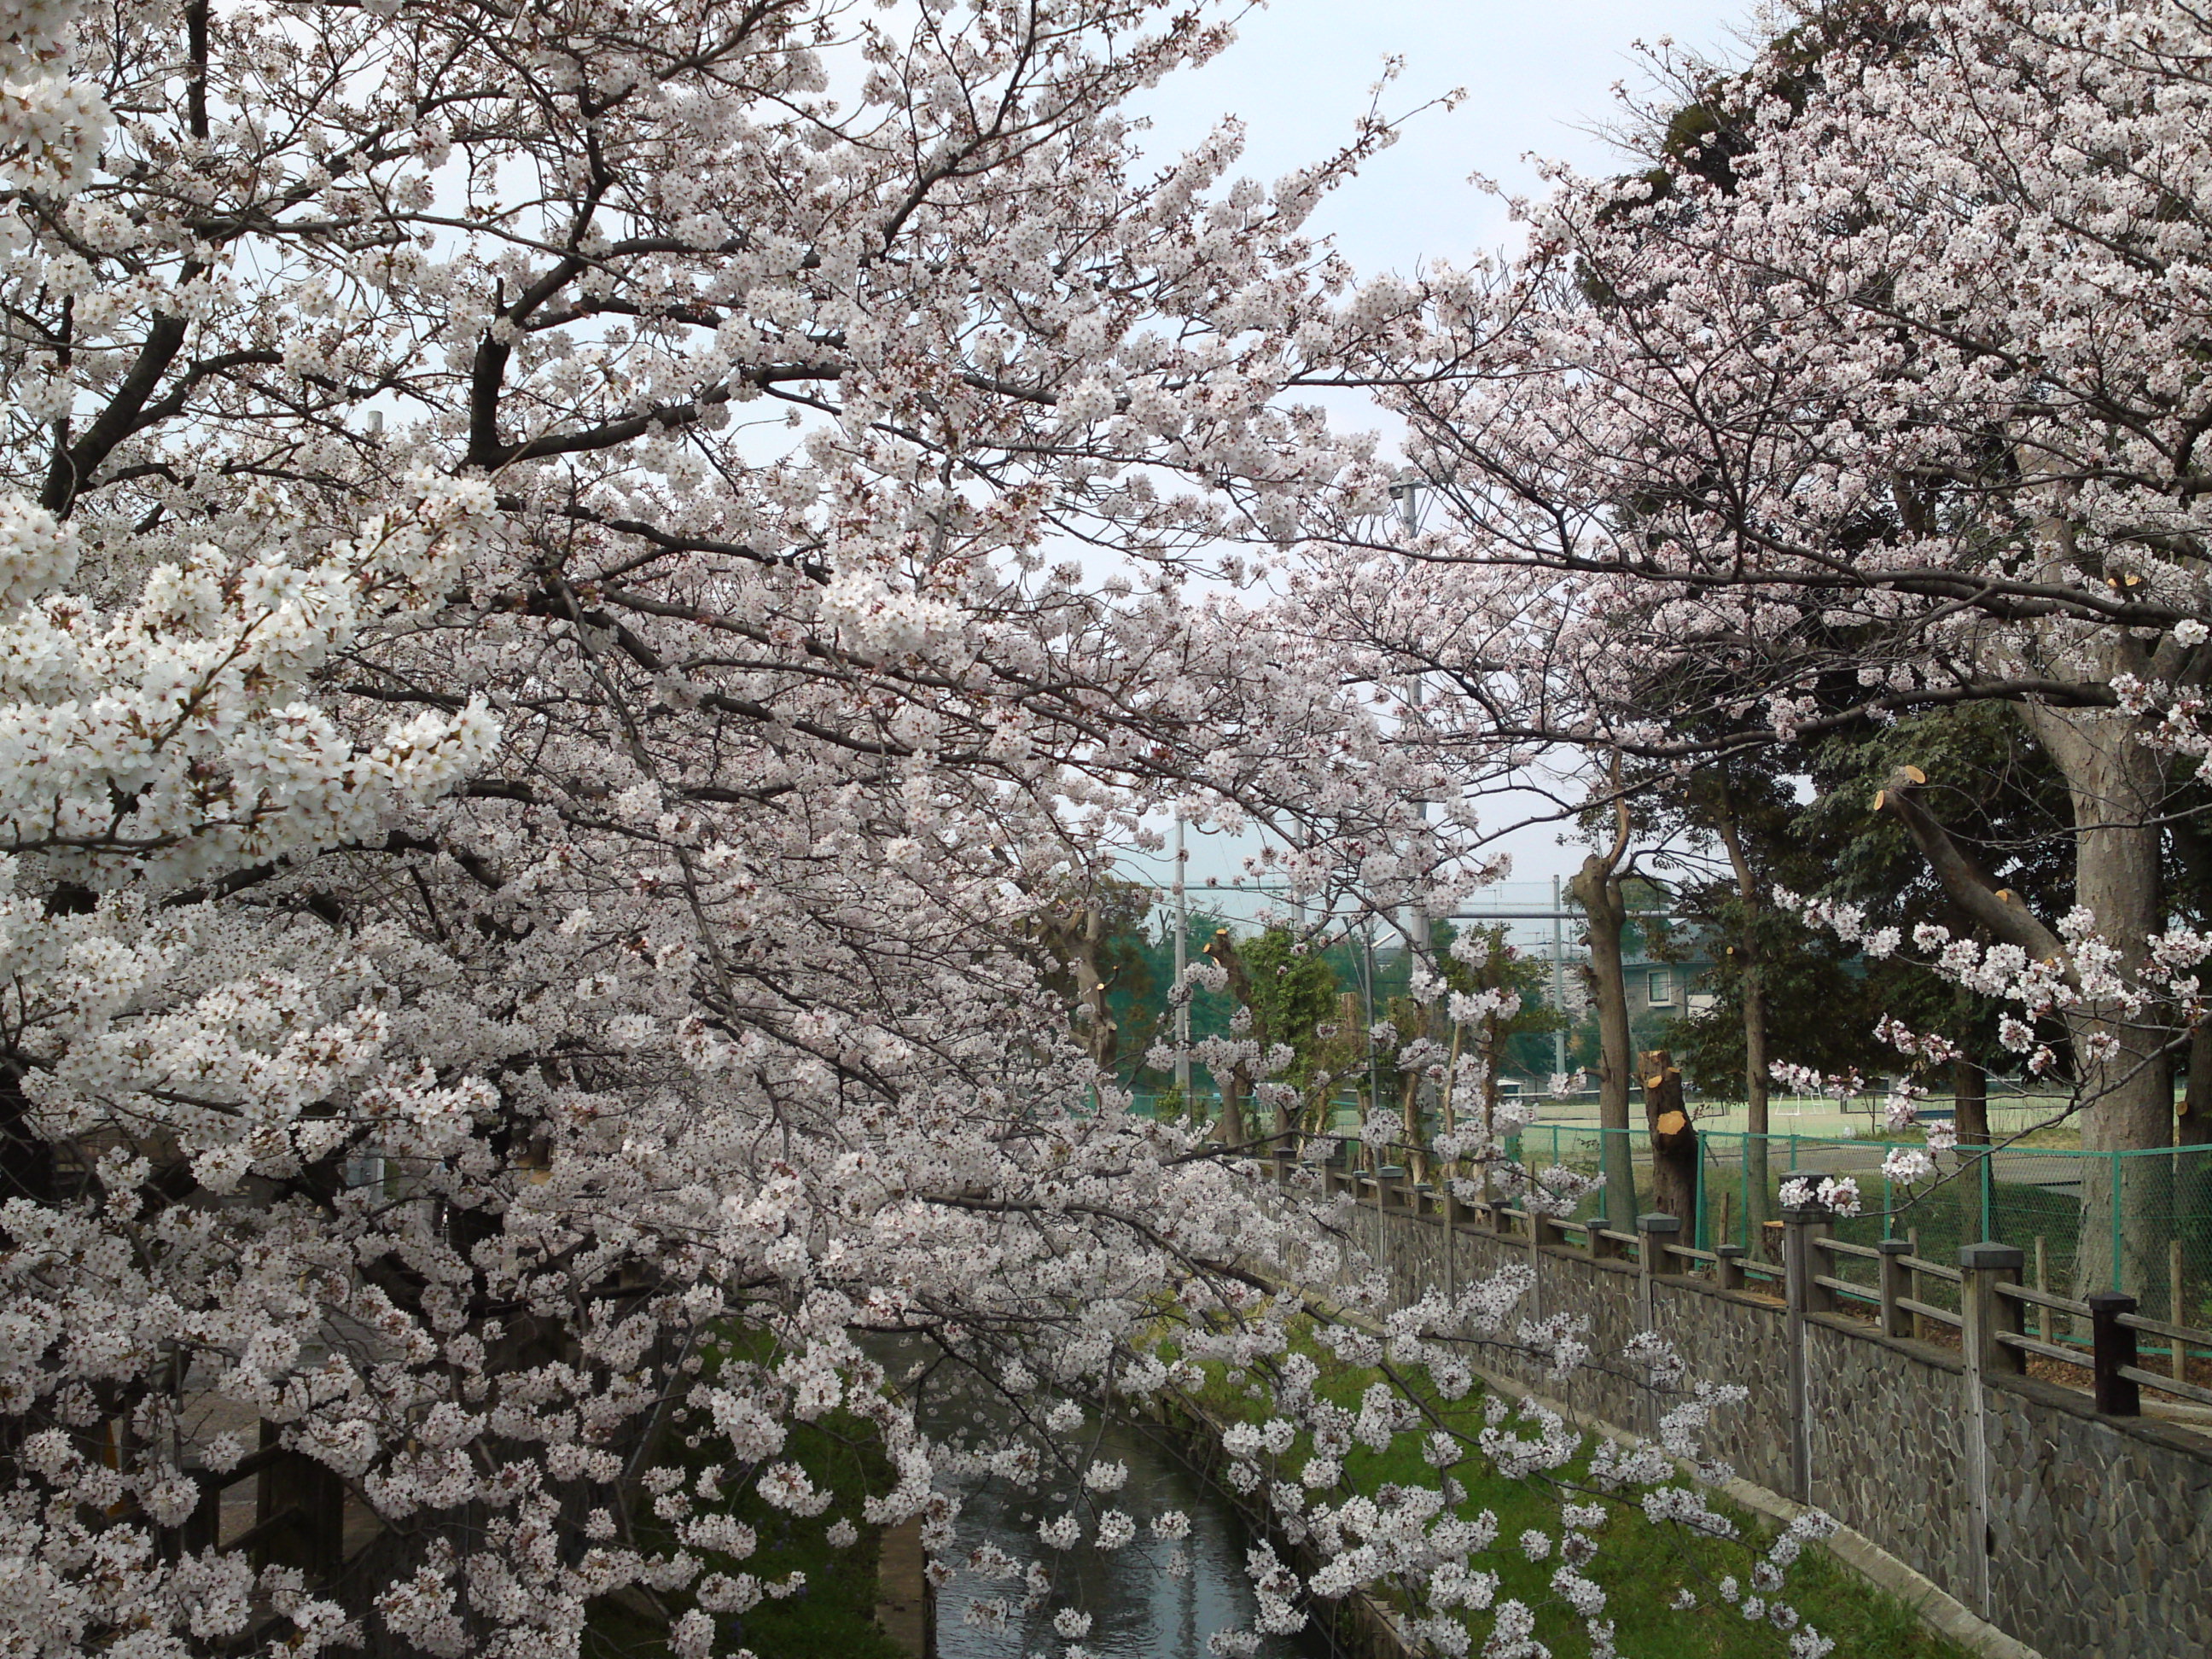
x=2118, y=786
x=1409, y=1119
x=1596, y=888
x=1970, y=1102
x=2193, y=1125
x=1080, y=939
x=1105, y=1036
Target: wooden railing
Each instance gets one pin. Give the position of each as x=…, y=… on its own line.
x=299, y=1509
x=1896, y=1295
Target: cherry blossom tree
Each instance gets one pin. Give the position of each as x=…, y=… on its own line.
x=1878, y=392
x=551, y=671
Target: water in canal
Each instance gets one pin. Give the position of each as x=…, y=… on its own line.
x=1140, y=1610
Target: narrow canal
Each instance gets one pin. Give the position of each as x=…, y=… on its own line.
x=1139, y=1609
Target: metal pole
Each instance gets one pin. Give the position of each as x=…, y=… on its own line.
x=1404, y=492
x=1558, y=983
x=1418, y=917
x=1367, y=990
x=1181, y=962
x=1423, y=1098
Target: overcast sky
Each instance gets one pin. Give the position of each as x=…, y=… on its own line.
x=1540, y=80
x=1538, y=77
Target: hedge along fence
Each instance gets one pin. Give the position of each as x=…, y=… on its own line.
x=2055, y=1512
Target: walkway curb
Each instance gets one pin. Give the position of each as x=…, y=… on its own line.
x=1938, y=1609
x=905, y=1604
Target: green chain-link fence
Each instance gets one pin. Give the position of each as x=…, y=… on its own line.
x=2138, y=1221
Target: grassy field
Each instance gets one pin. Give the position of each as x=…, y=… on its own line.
x=1642, y=1565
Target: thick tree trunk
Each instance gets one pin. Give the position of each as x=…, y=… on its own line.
x=1970, y=1102
x=1229, y=1130
x=2119, y=1070
x=2192, y=1167
x=2192, y=1124
x=1596, y=888
x=2118, y=786
x=1080, y=939
x=1409, y=1123
x=1103, y=1037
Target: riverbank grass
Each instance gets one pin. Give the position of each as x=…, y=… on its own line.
x=1641, y=1564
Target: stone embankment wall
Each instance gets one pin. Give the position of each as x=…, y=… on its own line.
x=2095, y=1532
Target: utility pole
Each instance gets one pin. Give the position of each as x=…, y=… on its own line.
x=1181, y=962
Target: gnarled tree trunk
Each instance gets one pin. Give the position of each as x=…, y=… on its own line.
x=2119, y=1070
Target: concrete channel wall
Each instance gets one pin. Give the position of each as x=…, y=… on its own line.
x=2083, y=1536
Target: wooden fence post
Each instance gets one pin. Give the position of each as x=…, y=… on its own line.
x=1658, y=1231
x=1450, y=1208
x=1728, y=1269
x=1982, y=1315
x=1800, y=1262
x=2112, y=1346
x=1919, y=1320
x=1535, y=1272
x=2043, y=1284
x=1895, y=1321
x=2175, y=1308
